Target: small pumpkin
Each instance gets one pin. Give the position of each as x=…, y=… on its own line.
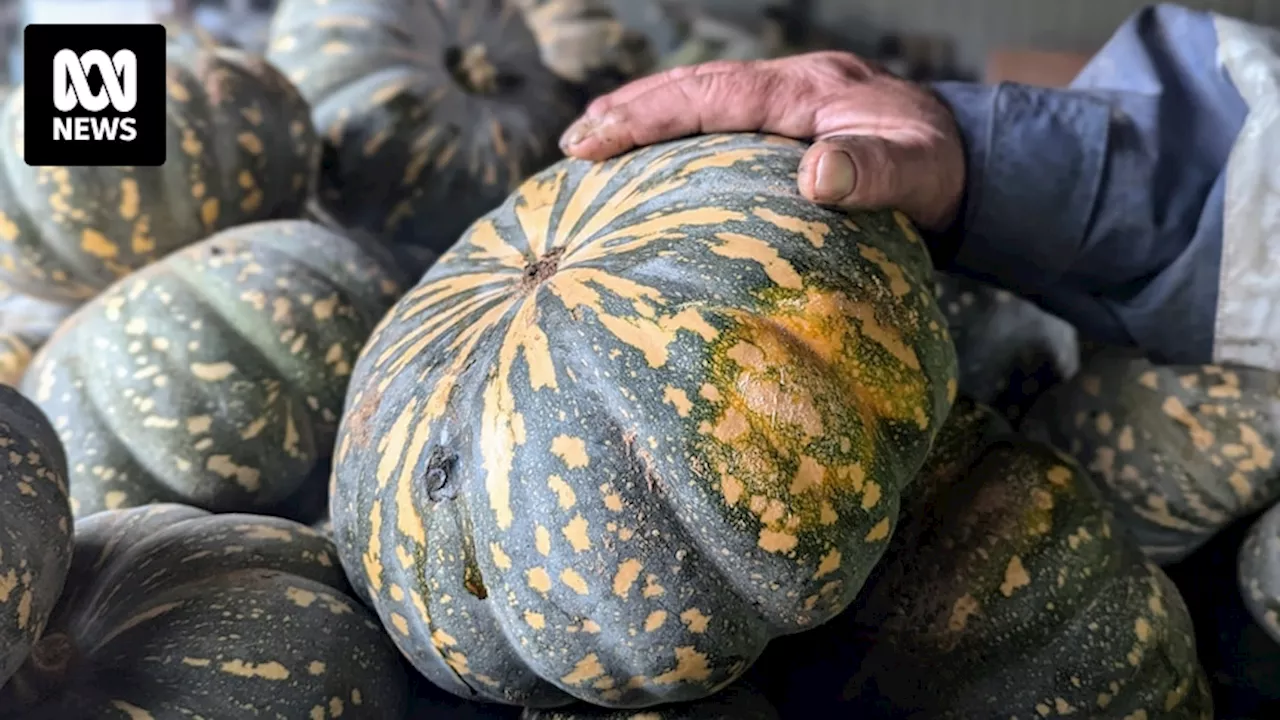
x=216, y=376
x=35, y=526
x=1259, y=571
x=1009, y=351
x=26, y=323
x=241, y=148
x=430, y=112
x=1007, y=592
x=1181, y=451
x=639, y=420
x=170, y=612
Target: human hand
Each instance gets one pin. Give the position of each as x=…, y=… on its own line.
x=879, y=141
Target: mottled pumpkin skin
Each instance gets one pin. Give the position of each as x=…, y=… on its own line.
x=26, y=323
x=736, y=702
x=1009, y=351
x=1259, y=571
x=241, y=148
x=35, y=526
x=216, y=376
x=431, y=113
x=170, y=612
x=1007, y=592
x=642, y=418
x=1181, y=451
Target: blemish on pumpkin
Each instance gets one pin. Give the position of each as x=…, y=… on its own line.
x=777, y=541
x=539, y=579
x=574, y=581
x=1015, y=577
x=571, y=450
x=565, y=496
x=678, y=399
x=691, y=666
x=625, y=578
x=878, y=532
x=576, y=532
x=586, y=670
x=267, y=671
x=97, y=244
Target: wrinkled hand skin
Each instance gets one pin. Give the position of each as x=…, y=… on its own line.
x=879, y=141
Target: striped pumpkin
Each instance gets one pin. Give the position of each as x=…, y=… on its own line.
x=170, y=612
x=241, y=149
x=35, y=528
x=430, y=112
x=215, y=377
x=1182, y=451
x=584, y=42
x=639, y=420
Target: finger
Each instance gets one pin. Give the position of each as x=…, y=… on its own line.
x=639, y=86
x=872, y=172
x=735, y=101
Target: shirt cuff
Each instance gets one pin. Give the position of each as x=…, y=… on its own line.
x=1034, y=165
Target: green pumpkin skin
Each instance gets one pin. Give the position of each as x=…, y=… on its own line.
x=35, y=526
x=642, y=418
x=216, y=376
x=1008, y=350
x=736, y=702
x=171, y=613
x=241, y=148
x=26, y=323
x=412, y=153
x=1258, y=569
x=584, y=42
x=1181, y=451
x=1006, y=592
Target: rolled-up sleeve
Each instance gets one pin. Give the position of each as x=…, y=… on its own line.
x=1142, y=204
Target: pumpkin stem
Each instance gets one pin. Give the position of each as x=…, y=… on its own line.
x=541, y=269
x=45, y=670
x=473, y=69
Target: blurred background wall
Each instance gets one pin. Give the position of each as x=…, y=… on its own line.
x=956, y=38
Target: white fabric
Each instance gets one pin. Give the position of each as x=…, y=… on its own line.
x=1247, y=327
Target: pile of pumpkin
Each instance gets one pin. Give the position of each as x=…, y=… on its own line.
x=648, y=438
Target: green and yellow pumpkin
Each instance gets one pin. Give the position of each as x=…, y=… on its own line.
x=26, y=323
x=639, y=420
x=241, y=148
x=1181, y=451
x=1008, y=350
x=170, y=612
x=1259, y=571
x=431, y=113
x=736, y=702
x=583, y=41
x=35, y=527
x=216, y=376
x=1008, y=591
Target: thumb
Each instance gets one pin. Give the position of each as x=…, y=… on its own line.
x=872, y=172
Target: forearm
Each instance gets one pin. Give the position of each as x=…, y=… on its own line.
x=1105, y=202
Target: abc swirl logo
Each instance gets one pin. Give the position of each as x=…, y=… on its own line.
x=71, y=90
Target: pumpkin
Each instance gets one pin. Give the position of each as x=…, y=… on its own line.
x=640, y=419
x=1007, y=592
x=583, y=41
x=737, y=702
x=216, y=376
x=170, y=612
x=430, y=112
x=241, y=148
x=35, y=526
x=1259, y=571
x=25, y=324
x=1180, y=450
x=1009, y=351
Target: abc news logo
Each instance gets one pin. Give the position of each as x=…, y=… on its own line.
x=94, y=95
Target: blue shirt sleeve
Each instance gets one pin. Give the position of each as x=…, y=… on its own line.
x=1103, y=202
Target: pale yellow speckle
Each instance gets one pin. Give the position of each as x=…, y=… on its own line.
x=625, y=578
x=829, y=564
x=539, y=579
x=695, y=620
x=271, y=670
x=316, y=667
x=879, y=531
x=576, y=582
x=535, y=620
x=576, y=532
x=572, y=450
x=212, y=372
x=656, y=619
x=1015, y=577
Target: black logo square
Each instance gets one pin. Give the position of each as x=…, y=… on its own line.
x=94, y=95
